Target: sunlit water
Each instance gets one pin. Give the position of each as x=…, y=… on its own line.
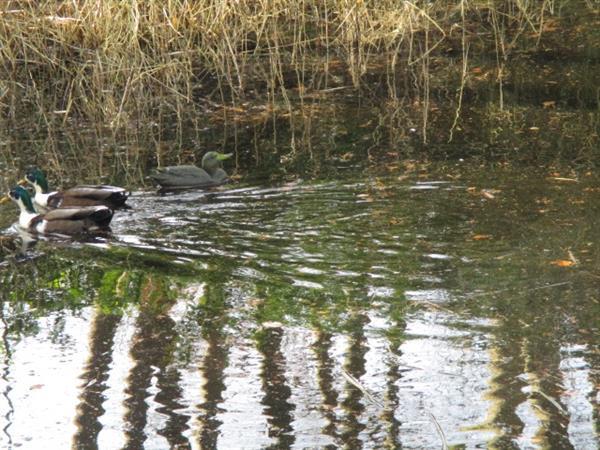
x=361, y=313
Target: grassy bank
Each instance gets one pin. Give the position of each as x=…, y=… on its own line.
x=176, y=63
x=112, y=60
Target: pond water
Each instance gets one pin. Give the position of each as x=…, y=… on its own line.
x=453, y=305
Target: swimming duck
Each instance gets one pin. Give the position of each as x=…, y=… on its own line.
x=183, y=177
x=83, y=195
x=62, y=220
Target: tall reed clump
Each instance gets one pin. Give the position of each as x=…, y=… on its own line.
x=120, y=63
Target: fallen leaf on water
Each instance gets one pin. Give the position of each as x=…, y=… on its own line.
x=36, y=386
x=562, y=263
x=481, y=237
x=487, y=194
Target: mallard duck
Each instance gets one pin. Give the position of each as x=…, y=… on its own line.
x=83, y=195
x=182, y=177
x=62, y=220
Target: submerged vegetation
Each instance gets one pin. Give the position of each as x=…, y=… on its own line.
x=469, y=71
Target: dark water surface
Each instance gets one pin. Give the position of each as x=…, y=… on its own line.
x=459, y=307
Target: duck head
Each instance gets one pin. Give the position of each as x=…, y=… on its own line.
x=22, y=198
x=37, y=179
x=212, y=161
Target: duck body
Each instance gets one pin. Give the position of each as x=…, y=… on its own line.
x=60, y=221
x=183, y=177
x=211, y=174
x=84, y=195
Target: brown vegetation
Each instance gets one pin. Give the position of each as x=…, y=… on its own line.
x=112, y=61
x=136, y=64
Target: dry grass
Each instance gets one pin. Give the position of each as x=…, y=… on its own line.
x=78, y=73
x=116, y=63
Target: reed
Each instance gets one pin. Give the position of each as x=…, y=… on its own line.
x=119, y=63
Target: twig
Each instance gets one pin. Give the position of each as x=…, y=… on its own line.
x=440, y=432
x=353, y=381
x=551, y=400
x=465, y=66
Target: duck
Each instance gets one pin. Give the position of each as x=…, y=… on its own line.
x=211, y=173
x=83, y=195
x=66, y=221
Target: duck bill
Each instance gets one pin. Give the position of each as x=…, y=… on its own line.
x=23, y=182
x=224, y=156
x=4, y=199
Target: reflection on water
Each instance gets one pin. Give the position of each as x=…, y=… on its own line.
x=366, y=313
x=277, y=407
x=94, y=378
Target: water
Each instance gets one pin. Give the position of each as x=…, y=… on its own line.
x=456, y=304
